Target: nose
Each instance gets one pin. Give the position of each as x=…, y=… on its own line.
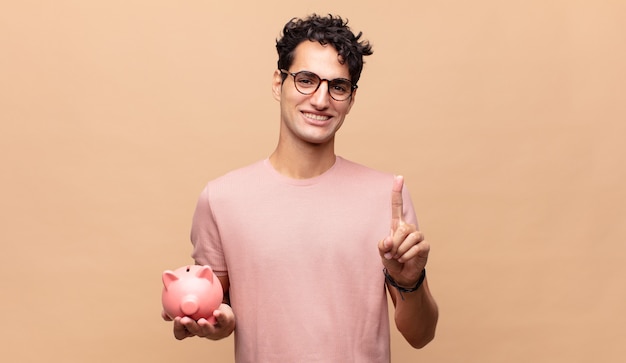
x=320, y=99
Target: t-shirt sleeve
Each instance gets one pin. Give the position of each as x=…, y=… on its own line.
x=205, y=236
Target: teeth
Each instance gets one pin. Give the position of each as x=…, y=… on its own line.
x=316, y=117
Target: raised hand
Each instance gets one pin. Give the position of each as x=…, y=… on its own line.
x=404, y=252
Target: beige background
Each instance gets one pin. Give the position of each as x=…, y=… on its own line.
x=506, y=117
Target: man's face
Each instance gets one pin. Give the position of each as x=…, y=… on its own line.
x=313, y=118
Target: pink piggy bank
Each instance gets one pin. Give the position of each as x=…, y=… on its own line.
x=192, y=291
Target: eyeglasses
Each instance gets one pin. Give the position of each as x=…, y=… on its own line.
x=340, y=89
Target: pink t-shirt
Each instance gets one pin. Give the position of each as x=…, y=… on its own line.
x=306, y=280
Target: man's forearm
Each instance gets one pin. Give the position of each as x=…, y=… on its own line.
x=416, y=315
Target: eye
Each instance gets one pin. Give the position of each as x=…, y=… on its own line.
x=340, y=86
x=307, y=79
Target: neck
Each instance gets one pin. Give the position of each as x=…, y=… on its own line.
x=304, y=161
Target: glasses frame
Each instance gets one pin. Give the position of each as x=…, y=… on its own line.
x=328, y=82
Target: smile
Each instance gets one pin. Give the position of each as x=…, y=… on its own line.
x=315, y=117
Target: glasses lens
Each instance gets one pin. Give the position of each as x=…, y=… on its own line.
x=307, y=82
x=340, y=89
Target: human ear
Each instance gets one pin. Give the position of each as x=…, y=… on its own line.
x=352, y=99
x=277, y=84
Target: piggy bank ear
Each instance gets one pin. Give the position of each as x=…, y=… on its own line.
x=205, y=272
x=168, y=278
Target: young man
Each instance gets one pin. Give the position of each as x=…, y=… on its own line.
x=304, y=242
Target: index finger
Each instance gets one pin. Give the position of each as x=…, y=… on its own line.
x=396, y=201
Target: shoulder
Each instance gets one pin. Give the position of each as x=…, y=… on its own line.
x=362, y=172
x=365, y=178
x=234, y=182
x=238, y=175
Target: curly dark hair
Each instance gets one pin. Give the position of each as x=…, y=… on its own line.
x=331, y=30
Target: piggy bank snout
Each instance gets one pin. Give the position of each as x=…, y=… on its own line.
x=189, y=305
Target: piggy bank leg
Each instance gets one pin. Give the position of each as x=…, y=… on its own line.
x=212, y=320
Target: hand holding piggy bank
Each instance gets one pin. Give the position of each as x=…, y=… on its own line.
x=192, y=291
